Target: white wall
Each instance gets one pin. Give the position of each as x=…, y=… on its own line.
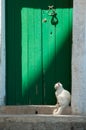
x=2, y=52
x=79, y=58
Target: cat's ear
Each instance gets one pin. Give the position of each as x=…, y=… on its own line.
x=59, y=84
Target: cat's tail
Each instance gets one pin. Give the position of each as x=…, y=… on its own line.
x=58, y=111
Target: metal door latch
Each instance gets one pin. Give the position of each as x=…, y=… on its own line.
x=52, y=12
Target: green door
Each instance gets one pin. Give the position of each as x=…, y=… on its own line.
x=38, y=50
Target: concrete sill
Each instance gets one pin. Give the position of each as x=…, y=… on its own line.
x=31, y=109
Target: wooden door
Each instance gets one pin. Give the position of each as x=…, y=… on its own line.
x=38, y=49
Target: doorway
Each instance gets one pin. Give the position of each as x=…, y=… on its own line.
x=38, y=50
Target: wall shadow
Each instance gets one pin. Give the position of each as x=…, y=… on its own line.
x=13, y=54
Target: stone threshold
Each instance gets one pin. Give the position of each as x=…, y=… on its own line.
x=32, y=109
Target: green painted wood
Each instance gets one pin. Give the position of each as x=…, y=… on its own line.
x=13, y=53
x=48, y=43
x=38, y=54
x=10, y=53
x=24, y=56
x=63, y=46
x=17, y=61
x=31, y=56
x=57, y=51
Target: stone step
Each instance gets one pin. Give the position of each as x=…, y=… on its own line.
x=32, y=109
x=39, y=117
x=42, y=122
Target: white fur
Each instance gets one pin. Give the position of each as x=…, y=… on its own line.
x=63, y=98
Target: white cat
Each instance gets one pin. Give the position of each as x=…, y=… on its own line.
x=63, y=98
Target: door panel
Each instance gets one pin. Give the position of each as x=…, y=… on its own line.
x=31, y=55
x=48, y=45
x=38, y=53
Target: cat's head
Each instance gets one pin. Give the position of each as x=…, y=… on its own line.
x=58, y=85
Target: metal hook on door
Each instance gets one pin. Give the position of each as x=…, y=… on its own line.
x=52, y=12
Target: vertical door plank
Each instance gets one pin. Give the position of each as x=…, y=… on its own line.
x=18, y=49
x=24, y=20
x=63, y=46
x=48, y=43
x=38, y=56
x=32, y=56
x=10, y=53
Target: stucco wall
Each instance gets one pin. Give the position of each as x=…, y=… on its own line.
x=79, y=58
x=2, y=52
